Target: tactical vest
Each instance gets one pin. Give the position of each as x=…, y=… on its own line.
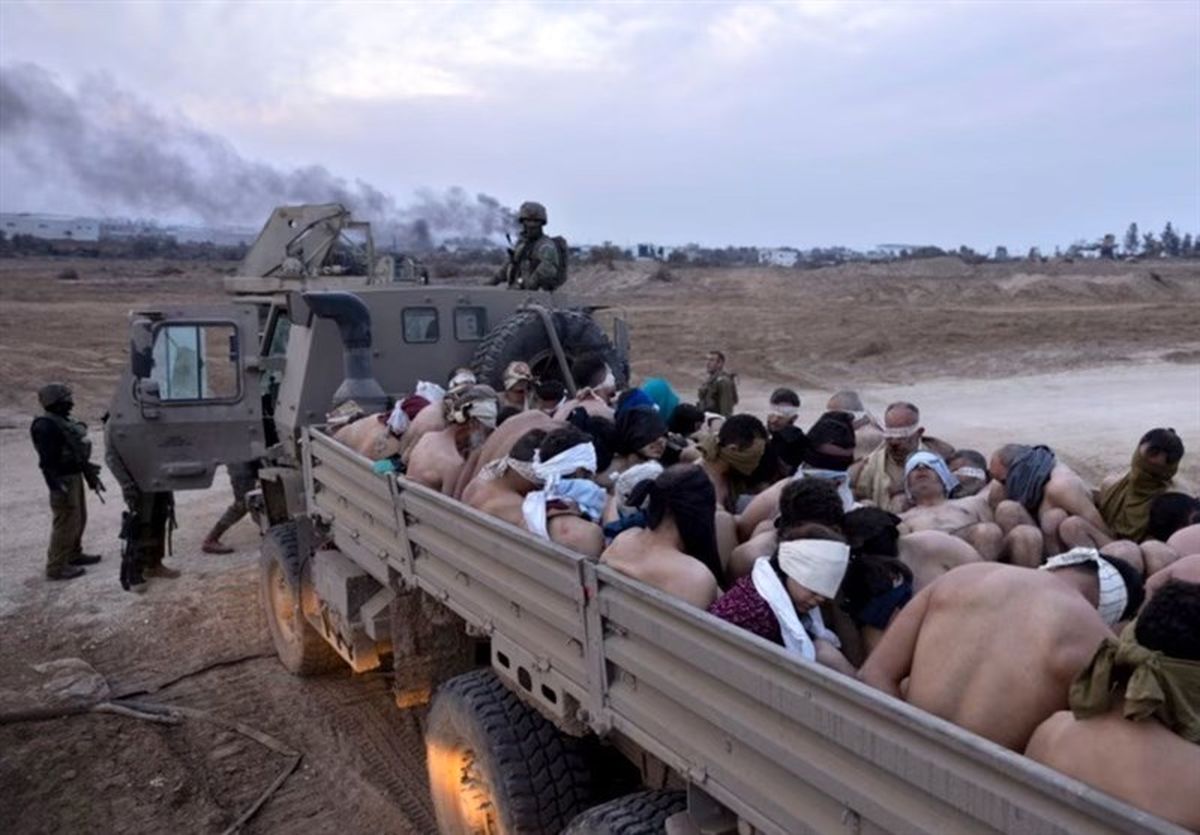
x=76, y=450
x=526, y=260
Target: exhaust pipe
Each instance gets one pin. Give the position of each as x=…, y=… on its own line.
x=353, y=321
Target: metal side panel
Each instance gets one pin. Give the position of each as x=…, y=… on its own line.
x=793, y=747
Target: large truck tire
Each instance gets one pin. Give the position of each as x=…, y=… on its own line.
x=522, y=336
x=642, y=813
x=496, y=765
x=299, y=647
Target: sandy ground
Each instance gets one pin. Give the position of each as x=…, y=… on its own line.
x=1084, y=361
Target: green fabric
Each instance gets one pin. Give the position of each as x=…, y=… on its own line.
x=1155, y=685
x=1125, y=505
x=741, y=461
x=718, y=394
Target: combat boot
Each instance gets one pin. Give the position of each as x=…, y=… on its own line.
x=85, y=559
x=161, y=571
x=67, y=572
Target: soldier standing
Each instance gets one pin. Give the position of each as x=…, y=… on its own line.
x=538, y=261
x=144, y=524
x=719, y=392
x=64, y=456
x=243, y=476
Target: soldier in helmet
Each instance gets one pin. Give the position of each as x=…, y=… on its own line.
x=64, y=456
x=146, y=524
x=538, y=261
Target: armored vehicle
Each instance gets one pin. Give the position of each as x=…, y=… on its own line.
x=562, y=695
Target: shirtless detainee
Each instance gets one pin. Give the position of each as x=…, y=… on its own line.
x=549, y=511
x=500, y=442
x=437, y=459
x=677, y=551
x=868, y=433
x=596, y=387
x=879, y=478
x=500, y=488
x=929, y=482
x=1143, y=751
x=432, y=418
x=801, y=501
x=993, y=648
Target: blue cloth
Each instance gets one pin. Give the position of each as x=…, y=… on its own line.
x=662, y=395
x=925, y=458
x=637, y=519
x=878, y=611
x=631, y=400
x=587, y=495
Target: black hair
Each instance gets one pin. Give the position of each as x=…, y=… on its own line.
x=810, y=500
x=973, y=458
x=1170, y=623
x=1135, y=589
x=741, y=431
x=686, y=419
x=550, y=390
x=786, y=396
x=687, y=493
x=1164, y=440
x=527, y=445
x=601, y=431
x=589, y=370
x=719, y=354
x=1170, y=512
x=872, y=530
x=560, y=440
x=506, y=411
x=868, y=578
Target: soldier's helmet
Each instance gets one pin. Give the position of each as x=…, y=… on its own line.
x=532, y=211
x=53, y=393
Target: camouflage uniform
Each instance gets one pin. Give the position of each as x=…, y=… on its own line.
x=243, y=477
x=149, y=513
x=535, y=262
x=64, y=456
x=719, y=394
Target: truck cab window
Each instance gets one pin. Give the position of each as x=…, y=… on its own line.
x=196, y=362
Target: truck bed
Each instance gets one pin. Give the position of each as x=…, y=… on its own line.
x=789, y=747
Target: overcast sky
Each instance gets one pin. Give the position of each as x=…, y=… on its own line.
x=803, y=124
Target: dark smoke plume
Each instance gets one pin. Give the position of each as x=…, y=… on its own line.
x=121, y=152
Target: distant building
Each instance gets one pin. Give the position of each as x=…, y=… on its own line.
x=220, y=236
x=784, y=256
x=50, y=227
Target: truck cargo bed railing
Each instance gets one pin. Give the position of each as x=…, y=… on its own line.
x=790, y=747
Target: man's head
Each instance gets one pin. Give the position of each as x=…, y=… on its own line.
x=459, y=377
x=640, y=431
x=872, y=530
x=782, y=409
x=532, y=217
x=902, y=430
x=56, y=398
x=715, y=362
x=1185, y=569
x=527, y=445
x=591, y=371
x=971, y=469
x=811, y=560
x=1170, y=512
x=471, y=412
x=1118, y=585
x=927, y=478
x=687, y=419
x=742, y=441
x=805, y=500
x=549, y=395
x=685, y=495
x=846, y=401
x=518, y=380
x=1004, y=457
x=1161, y=448
x=830, y=442
x=561, y=440
x=1170, y=621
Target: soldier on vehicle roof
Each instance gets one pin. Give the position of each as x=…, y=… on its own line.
x=64, y=456
x=537, y=261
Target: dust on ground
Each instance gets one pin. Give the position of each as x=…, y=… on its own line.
x=1083, y=356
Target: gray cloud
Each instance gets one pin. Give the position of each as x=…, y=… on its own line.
x=122, y=153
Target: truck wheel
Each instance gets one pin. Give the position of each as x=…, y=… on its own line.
x=496, y=765
x=301, y=649
x=522, y=336
x=643, y=813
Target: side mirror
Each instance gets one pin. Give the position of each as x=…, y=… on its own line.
x=141, y=348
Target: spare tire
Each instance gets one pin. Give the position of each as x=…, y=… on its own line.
x=522, y=336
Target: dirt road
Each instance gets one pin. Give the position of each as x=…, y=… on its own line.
x=1082, y=362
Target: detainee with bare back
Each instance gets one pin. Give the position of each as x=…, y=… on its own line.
x=993, y=648
x=677, y=551
x=501, y=486
x=437, y=459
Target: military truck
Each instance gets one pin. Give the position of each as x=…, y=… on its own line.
x=562, y=695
